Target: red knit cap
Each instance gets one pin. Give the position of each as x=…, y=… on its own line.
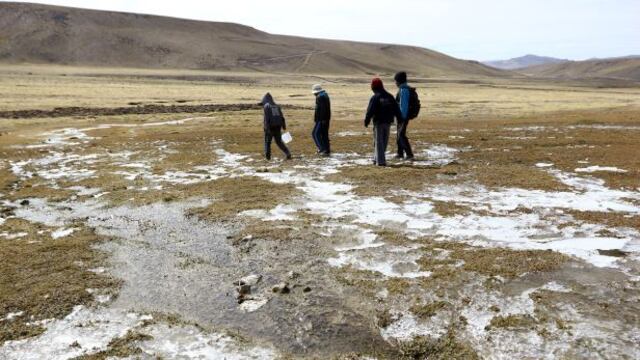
x=376, y=84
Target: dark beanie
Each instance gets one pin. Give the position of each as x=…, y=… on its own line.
x=401, y=77
x=376, y=84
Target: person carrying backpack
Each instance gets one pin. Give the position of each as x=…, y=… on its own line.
x=409, y=103
x=322, y=118
x=274, y=123
x=382, y=109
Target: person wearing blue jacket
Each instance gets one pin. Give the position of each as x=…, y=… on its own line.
x=322, y=119
x=403, y=98
x=273, y=123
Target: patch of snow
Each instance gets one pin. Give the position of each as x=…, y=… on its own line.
x=605, y=127
x=83, y=191
x=437, y=155
x=396, y=263
x=13, y=315
x=554, y=286
x=62, y=232
x=544, y=165
x=136, y=166
x=408, y=327
x=592, y=169
x=351, y=133
x=172, y=342
x=279, y=213
x=13, y=236
x=82, y=332
x=518, y=137
x=250, y=306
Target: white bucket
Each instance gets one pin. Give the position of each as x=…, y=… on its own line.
x=287, y=138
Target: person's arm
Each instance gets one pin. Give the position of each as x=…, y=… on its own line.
x=404, y=103
x=316, y=114
x=399, y=116
x=284, y=121
x=328, y=108
x=370, y=111
x=325, y=110
x=267, y=116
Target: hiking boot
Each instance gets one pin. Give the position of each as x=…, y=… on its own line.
x=398, y=157
x=325, y=154
x=410, y=158
x=289, y=157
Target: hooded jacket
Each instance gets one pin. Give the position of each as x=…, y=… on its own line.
x=383, y=108
x=269, y=106
x=323, y=108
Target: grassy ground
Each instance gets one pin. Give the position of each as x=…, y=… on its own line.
x=45, y=277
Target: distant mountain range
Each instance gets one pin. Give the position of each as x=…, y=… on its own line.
x=627, y=68
x=31, y=33
x=523, y=62
x=621, y=68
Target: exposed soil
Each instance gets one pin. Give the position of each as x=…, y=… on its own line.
x=132, y=110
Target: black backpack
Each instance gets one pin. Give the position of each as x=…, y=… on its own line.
x=276, y=119
x=414, y=104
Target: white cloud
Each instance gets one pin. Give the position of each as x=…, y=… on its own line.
x=471, y=29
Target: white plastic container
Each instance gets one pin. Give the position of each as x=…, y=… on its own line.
x=287, y=138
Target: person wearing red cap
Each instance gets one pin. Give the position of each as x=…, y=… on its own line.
x=382, y=110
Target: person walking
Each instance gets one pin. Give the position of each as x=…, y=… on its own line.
x=382, y=109
x=274, y=122
x=322, y=119
x=404, y=98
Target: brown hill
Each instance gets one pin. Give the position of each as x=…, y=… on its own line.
x=59, y=35
x=618, y=68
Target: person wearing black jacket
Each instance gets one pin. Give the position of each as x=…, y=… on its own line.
x=322, y=119
x=383, y=109
x=273, y=123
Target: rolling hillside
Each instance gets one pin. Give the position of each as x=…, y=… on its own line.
x=616, y=68
x=58, y=35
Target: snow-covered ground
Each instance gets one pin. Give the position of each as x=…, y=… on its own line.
x=497, y=220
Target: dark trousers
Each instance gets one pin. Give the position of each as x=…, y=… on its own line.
x=404, y=147
x=271, y=134
x=380, y=142
x=320, y=136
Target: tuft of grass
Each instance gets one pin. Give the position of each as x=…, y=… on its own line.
x=448, y=347
x=384, y=318
x=397, y=286
x=510, y=263
x=428, y=310
x=513, y=321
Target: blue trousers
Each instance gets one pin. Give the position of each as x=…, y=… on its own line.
x=320, y=136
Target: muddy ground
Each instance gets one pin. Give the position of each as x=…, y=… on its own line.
x=137, y=235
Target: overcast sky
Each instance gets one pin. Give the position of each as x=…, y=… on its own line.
x=469, y=29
